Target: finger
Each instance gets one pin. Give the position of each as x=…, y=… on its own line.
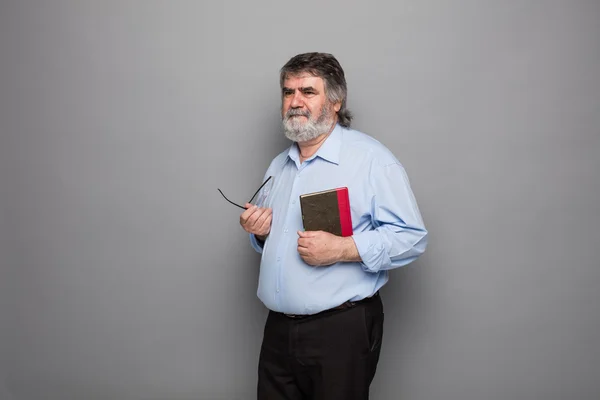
x=261, y=216
x=265, y=228
x=255, y=216
x=247, y=214
x=303, y=252
x=303, y=242
x=265, y=219
x=308, y=234
x=255, y=222
x=264, y=214
x=310, y=261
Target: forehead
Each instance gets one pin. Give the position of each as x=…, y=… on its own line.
x=303, y=80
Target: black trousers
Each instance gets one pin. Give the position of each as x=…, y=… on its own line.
x=332, y=355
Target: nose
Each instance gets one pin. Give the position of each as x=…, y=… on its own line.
x=297, y=100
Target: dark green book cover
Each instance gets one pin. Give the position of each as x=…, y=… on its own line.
x=328, y=211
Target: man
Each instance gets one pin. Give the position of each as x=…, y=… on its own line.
x=323, y=334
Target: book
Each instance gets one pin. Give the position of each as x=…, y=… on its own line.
x=327, y=210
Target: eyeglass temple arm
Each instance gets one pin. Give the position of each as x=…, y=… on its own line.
x=235, y=204
x=261, y=186
x=242, y=207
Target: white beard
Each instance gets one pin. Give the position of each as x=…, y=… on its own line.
x=298, y=131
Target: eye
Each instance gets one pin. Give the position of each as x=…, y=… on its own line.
x=288, y=93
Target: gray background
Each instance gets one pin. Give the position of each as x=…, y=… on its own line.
x=125, y=275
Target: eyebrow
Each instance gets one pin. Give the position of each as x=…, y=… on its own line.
x=302, y=89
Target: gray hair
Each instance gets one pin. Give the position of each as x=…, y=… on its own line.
x=325, y=66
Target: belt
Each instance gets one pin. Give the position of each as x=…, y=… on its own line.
x=343, y=306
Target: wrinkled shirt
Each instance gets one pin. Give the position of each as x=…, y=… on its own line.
x=388, y=229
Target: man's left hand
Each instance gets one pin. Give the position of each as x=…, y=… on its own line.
x=319, y=248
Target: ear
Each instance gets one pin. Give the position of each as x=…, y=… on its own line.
x=337, y=106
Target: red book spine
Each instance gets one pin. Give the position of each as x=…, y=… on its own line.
x=344, y=209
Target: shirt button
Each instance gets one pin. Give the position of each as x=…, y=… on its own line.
x=285, y=231
x=278, y=258
x=293, y=201
x=277, y=290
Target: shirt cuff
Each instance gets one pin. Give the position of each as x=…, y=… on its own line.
x=256, y=244
x=371, y=251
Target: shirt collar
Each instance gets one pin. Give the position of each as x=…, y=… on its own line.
x=329, y=150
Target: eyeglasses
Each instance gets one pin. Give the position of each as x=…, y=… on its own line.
x=249, y=201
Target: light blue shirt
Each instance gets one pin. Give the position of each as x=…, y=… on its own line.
x=387, y=226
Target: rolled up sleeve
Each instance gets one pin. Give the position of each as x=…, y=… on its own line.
x=256, y=244
x=398, y=235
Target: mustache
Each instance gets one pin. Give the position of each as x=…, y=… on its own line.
x=295, y=112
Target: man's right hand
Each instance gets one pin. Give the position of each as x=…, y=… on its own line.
x=257, y=220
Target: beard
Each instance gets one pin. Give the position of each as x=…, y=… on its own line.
x=298, y=131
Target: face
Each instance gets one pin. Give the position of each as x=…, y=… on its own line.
x=306, y=113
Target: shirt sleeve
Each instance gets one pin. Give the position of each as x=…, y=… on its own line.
x=398, y=235
x=255, y=243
